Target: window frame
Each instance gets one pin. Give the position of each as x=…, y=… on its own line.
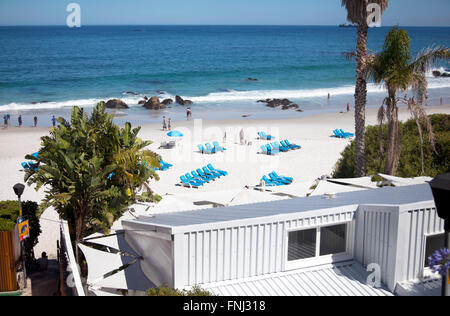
x=317, y=259
x=426, y=271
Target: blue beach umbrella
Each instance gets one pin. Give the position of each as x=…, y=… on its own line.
x=175, y=134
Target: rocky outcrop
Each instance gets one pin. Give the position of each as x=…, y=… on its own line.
x=252, y=79
x=438, y=73
x=154, y=104
x=290, y=106
x=285, y=104
x=167, y=102
x=181, y=101
x=116, y=104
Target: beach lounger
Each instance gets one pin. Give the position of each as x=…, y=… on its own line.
x=167, y=165
x=217, y=147
x=25, y=166
x=272, y=151
x=188, y=183
x=277, y=146
x=211, y=173
x=199, y=177
x=266, y=137
x=281, y=146
x=270, y=183
x=191, y=179
x=348, y=134
x=339, y=134
x=204, y=150
x=287, y=178
x=206, y=175
x=212, y=169
x=292, y=146
x=210, y=148
x=36, y=155
x=278, y=179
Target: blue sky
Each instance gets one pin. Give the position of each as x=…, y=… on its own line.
x=210, y=12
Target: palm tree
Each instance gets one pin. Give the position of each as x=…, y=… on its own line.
x=394, y=68
x=357, y=13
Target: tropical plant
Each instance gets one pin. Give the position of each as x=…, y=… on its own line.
x=434, y=162
x=394, y=68
x=92, y=170
x=357, y=13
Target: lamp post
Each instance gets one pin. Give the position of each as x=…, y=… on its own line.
x=18, y=189
x=440, y=186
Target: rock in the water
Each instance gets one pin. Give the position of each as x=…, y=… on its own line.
x=142, y=102
x=436, y=73
x=251, y=79
x=180, y=101
x=290, y=106
x=116, y=104
x=154, y=104
x=167, y=101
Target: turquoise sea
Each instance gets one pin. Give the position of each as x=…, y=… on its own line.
x=46, y=70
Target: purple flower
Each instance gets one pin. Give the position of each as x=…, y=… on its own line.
x=440, y=261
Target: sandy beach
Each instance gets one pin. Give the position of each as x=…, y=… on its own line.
x=244, y=163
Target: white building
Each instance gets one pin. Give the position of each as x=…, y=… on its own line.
x=304, y=246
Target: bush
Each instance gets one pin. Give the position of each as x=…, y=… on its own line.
x=9, y=212
x=168, y=291
x=410, y=161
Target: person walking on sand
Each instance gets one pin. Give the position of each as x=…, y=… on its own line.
x=20, y=120
x=35, y=121
x=5, y=121
x=348, y=107
x=54, y=120
x=329, y=96
x=169, y=124
x=164, y=123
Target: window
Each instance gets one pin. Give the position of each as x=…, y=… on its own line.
x=433, y=243
x=302, y=244
x=332, y=240
x=323, y=241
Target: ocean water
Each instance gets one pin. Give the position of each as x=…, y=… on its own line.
x=46, y=70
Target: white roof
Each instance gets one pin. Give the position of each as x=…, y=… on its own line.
x=344, y=279
x=250, y=196
x=428, y=287
x=172, y=203
x=364, y=182
x=300, y=189
x=325, y=187
x=398, y=182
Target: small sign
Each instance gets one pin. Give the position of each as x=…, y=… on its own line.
x=24, y=227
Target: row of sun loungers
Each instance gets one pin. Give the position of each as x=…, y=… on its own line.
x=208, y=149
x=273, y=179
x=277, y=147
x=339, y=133
x=201, y=176
x=264, y=136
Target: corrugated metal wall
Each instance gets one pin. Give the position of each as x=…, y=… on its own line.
x=418, y=224
x=8, y=276
x=394, y=238
x=244, y=251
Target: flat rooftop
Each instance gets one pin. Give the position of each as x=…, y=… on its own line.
x=391, y=196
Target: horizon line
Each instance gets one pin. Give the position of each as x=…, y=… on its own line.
x=337, y=25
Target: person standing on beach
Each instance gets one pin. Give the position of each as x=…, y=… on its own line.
x=329, y=96
x=35, y=121
x=5, y=120
x=348, y=107
x=169, y=124
x=20, y=120
x=164, y=123
x=189, y=113
x=54, y=121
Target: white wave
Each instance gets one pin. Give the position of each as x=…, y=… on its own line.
x=300, y=94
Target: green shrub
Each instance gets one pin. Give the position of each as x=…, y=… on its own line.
x=168, y=291
x=9, y=212
x=410, y=161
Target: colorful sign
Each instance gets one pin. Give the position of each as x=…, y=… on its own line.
x=24, y=227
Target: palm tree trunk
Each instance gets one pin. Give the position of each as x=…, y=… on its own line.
x=393, y=140
x=419, y=127
x=361, y=99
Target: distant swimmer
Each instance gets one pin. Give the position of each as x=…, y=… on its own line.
x=329, y=96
